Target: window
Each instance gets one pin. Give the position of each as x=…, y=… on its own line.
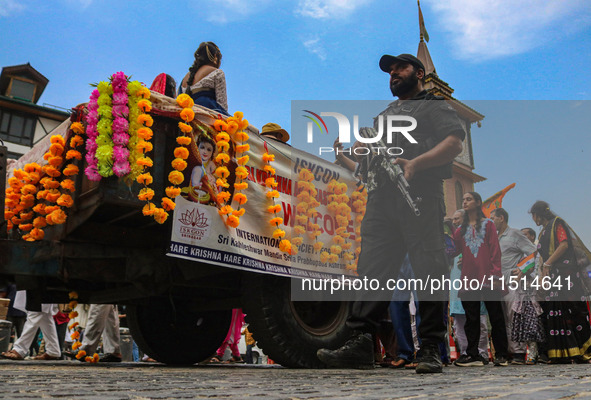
x=22, y=90
x=459, y=195
x=17, y=127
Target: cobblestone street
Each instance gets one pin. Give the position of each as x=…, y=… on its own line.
x=72, y=380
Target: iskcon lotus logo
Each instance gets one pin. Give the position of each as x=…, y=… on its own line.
x=194, y=218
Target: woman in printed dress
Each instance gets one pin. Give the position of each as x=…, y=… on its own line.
x=568, y=334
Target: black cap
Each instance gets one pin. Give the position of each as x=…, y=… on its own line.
x=387, y=60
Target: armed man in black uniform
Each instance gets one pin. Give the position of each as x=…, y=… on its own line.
x=391, y=229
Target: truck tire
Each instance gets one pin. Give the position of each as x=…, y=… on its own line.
x=172, y=332
x=290, y=332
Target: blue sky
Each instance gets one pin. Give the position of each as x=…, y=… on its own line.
x=283, y=50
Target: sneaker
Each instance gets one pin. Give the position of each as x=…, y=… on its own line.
x=469, y=361
x=501, y=361
x=430, y=361
x=356, y=353
x=484, y=358
x=518, y=359
x=543, y=359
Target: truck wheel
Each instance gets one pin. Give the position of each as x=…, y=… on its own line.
x=291, y=332
x=172, y=332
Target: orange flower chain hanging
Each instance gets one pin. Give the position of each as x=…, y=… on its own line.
x=81, y=354
x=339, y=208
x=306, y=210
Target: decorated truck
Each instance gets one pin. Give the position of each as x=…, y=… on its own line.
x=181, y=214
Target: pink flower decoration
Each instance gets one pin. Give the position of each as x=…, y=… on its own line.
x=120, y=139
x=121, y=111
x=92, y=173
x=119, y=82
x=94, y=96
x=120, y=154
x=121, y=169
x=119, y=98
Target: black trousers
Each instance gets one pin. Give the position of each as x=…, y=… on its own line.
x=389, y=231
x=497, y=322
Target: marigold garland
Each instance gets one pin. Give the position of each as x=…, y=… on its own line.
x=306, y=210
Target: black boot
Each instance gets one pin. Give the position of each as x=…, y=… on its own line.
x=430, y=361
x=356, y=353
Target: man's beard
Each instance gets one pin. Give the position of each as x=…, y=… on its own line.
x=404, y=86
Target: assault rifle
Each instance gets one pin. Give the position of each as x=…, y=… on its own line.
x=381, y=157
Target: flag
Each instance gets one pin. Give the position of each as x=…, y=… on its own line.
x=495, y=201
x=422, y=28
x=527, y=263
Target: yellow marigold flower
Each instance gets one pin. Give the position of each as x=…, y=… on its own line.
x=241, y=186
x=185, y=101
x=168, y=204
x=222, y=158
x=179, y=164
x=239, y=213
x=77, y=127
x=333, y=258
x=145, y=105
x=223, y=197
x=302, y=207
x=270, y=182
x=70, y=170
x=276, y=221
x=187, y=114
x=269, y=169
x=222, y=136
x=225, y=210
x=143, y=92
x=297, y=241
x=145, y=119
x=145, y=194
x=238, y=115
x=318, y=246
x=185, y=128
x=222, y=172
x=268, y=157
x=149, y=209
x=176, y=177
x=144, y=162
x=181, y=152
x=145, y=179
x=145, y=133
x=243, y=160
x=301, y=219
x=233, y=221
x=272, y=193
x=324, y=256
x=143, y=146
x=338, y=240
x=285, y=246
x=73, y=154
x=172, y=191
x=241, y=172
x=242, y=148
x=299, y=230
x=240, y=198
x=222, y=183
x=222, y=145
x=278, y=233
x=347, y=246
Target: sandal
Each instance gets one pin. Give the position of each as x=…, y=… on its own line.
x=236, y=360
x=215, y=360
x=398, y=363
x=12, y=355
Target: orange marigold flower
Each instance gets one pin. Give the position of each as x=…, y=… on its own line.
x=149, y=209
x=75, y=335
x=55, y=161
x=15, y=220
x=50, y=209
x=242, y=148
x=56, y=149
x=241, y=136
x=172, y=192
x=241, y=186
x=29, y=189
x=25, y=227
x=233, y=221
x=272, y=193
x=187, y=114
x=145, y=119
x=73, y=154
x=238, y=115
x=185, y=101
x=336, y=249
x=58, y=217
x=318, y=246
x=222, y=145
x=39, y=222
x=285, y=246
x=51, y=184
x=333, y=258
x=243, y=124
x=297, y=241
x=145, y=105
x=65, y=200
x=95, y=358
x=32, y=167
x=73, y=314
x=222, y=183
x=223, y=197
x=338, y=240
x=185, y=128
x=145, y=179
x=222, y=158
x=239, y=213
x=39, y=209
x=160, y=215
x=347, y=246
x=222, y=172
x=144, y=162
x=269, y=169
x=276, y=221
x=76, y=141
x=168, y=204
x=145, y=194
x=274, y=209
x=88, y=359
x=176, y=177
x=179, y=164
x=240, y=198
x=232, y=126
x=268, y=157
x=222, y=136
x=72, y=326
x=80, y=354
x=270, y=182
x=52, y=195
x=143, y=92
x=51, y=171
x=243, y=160
x=225, y=210
x=278, y=233
x=70, y=170
x=73, y=295
x=181, y=152
x=58, y=139
x=241, y=172
x=37, y=234
x=299, y=230
x=77, y=127
x=145, y=133
x=143, y=146
x=76, y=345
x=220, y=125
x=73, y=304
x=183, y=140
x=8, y=214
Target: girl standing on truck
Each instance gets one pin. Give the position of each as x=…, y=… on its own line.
x=205, y=82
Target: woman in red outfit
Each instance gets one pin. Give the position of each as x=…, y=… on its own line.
x=568, y=334
x=476, y=239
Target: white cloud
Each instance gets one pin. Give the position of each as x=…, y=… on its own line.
x=8, y=7
x=315, y=46
x=223, y=11
x=329, y=9
x=497, y=28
